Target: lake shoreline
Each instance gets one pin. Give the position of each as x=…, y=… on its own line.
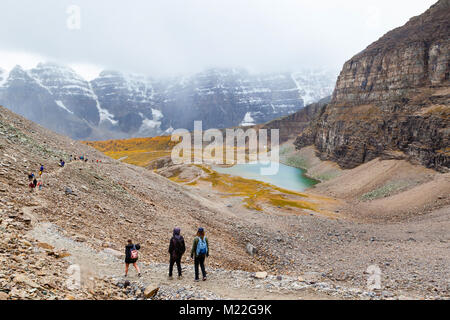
x=287, y=177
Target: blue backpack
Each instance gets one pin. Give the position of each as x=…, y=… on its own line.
x=202, y=247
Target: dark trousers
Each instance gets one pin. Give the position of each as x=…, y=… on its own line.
x=172, y=262
x=200, y=260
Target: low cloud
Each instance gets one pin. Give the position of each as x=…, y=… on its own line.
x=177, y=36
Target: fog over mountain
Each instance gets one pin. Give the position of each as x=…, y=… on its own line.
x=107, y=69
x=120, y=105
x=174, y=37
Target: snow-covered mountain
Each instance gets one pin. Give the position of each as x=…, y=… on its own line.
x=115, y=105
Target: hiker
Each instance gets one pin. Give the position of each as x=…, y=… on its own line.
x=81, y=158
x=40, y=185
x=41, y=170
x=131, y=256
x=30, y=177
x=31, y=186
x=176, y=251
x=61, y=163
x=200, y=250
x=70, y=159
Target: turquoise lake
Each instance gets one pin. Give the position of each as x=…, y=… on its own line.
x=287, y=177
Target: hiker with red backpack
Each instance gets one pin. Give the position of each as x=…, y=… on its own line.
x=199, y=252
x=32, y=186
x=131, y=256
x=176, y=251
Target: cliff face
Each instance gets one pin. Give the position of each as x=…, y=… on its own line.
x=393, y=96
x=291, y=125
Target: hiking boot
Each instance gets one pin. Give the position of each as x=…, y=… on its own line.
x=197, y=280
x=170, y=278
x=204, y=278
x=180, y=277
x=139, y=275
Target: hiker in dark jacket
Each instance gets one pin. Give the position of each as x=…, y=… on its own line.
x=200, y=250
x=176, y=250
x=131, y=257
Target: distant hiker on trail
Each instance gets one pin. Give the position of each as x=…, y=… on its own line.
x=131, y=256
x=81, y=158
x=31, y=186
x=200, y=250
x=31, y=177
x=41, y=170
x=61, y=163
x=176, y=251
x=70, y=159
x=40, y=185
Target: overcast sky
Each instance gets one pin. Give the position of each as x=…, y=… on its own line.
x=166, y=37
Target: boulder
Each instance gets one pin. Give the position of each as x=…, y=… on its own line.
x=151, y=291
x=261, y=275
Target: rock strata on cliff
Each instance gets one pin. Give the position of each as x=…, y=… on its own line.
x=291, y=125
x=393, y=96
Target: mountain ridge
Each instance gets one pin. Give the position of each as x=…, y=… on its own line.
x=116, y=105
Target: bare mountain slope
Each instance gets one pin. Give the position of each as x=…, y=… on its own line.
x=112, y=201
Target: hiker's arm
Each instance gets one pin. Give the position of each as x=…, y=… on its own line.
x=138, y=247
x=183, y=247
x=207, y=246
x=194, y=246
x=171, y=246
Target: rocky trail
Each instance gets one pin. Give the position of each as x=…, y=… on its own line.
x=108, y=264
x=221, y=284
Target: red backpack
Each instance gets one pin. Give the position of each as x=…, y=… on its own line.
x=134, y=253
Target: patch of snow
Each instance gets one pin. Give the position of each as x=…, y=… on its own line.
x=62, y=106
x=39, y=82
x=169, y=130
x=104, y=114
x=248, y=120
x=297, y=84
